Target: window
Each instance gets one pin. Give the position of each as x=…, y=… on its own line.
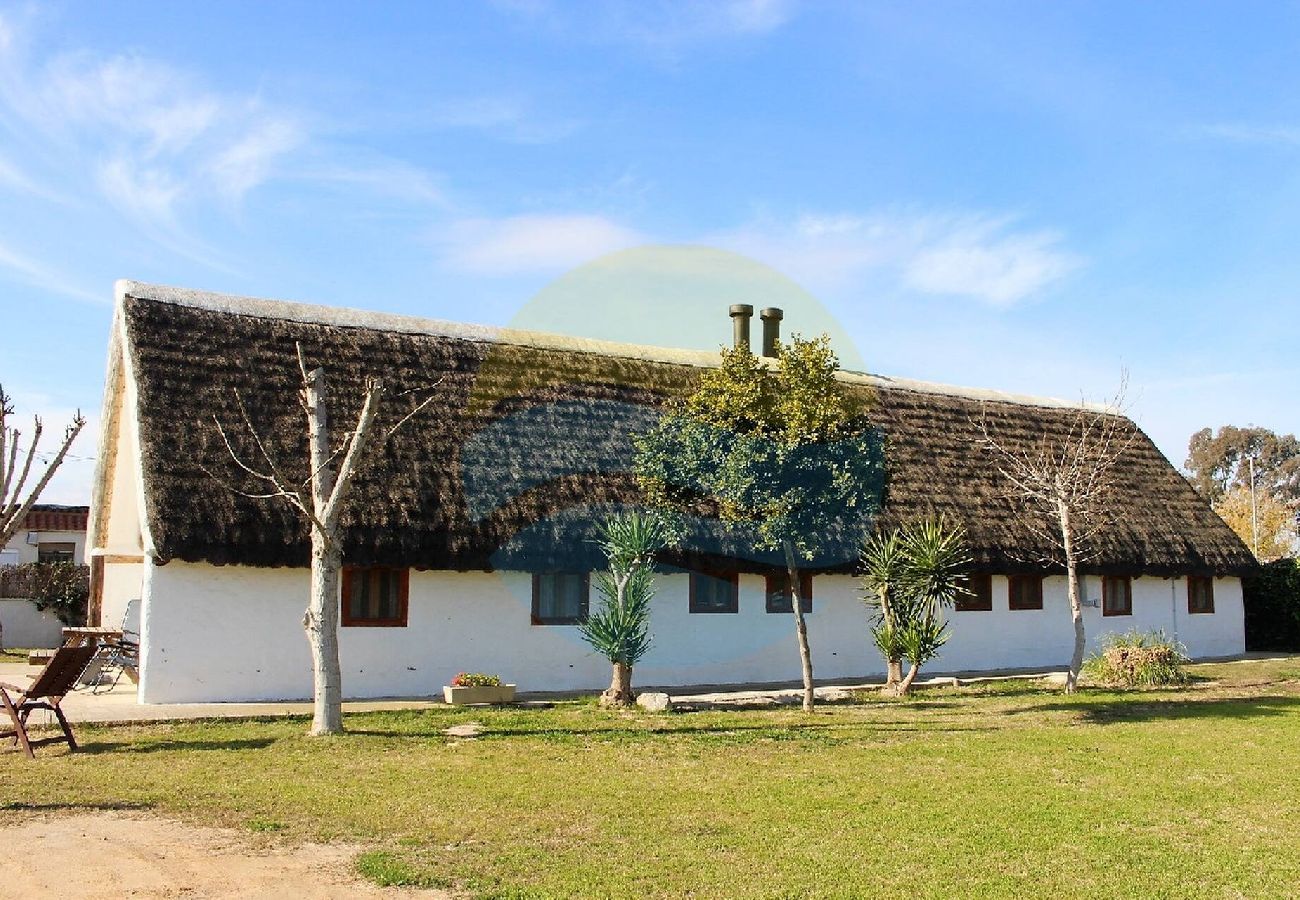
x=714, y=593
x=778, y=592
x=980, y=596
x=47, y=552
x=375, y=595
x=1025, y=591
x=560, y=598
x=1200, y=594
x=1117, y=595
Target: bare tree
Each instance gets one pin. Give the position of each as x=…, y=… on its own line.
x=16, y=466
x=16, y=469
x=1064, y=483
x=322, y=499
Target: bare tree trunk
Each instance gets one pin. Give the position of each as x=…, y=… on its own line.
x=800, y=627
x=620, y=687
x=322, y=625
x=1076, y=605
x=321, y=619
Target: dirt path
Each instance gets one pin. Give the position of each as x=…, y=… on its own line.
x=112, y=854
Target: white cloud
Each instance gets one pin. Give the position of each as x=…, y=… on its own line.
x=511, y=118
x=758, y=16
x=15, y=179
x=979, y=259
x=541, y=243
x=962, y=254
x=660, y=26
x=389, y=178
x=1283, y=135
x=152, y=138
x=979, y=256
x=244, y=164
x=33, y=272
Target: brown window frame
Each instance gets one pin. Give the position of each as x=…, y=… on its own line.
x=403, y=598
x=1107, y=588
x=1208, y=581
x=1013, y=581
x=584, y=604
x=979, y=599
x=731, y=578
x=66, y=552
x=775, y=583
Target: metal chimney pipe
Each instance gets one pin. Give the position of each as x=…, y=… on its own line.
x=741, y=313
x=771, y=317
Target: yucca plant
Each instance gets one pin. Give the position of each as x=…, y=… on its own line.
x=911, y=574
x=619, y=629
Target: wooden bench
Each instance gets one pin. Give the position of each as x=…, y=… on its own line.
x=39, y=657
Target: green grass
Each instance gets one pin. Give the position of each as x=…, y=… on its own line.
x=13, y=654
x=1001, y=790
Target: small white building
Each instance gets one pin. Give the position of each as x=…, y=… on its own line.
x=49, y=533
x=467, y=542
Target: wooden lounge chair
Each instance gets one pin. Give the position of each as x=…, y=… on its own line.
x=46, y=692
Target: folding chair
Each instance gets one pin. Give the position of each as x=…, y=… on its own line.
x=121, y=653
x=46, y=692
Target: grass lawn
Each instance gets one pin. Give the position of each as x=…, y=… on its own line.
x=1009, y=790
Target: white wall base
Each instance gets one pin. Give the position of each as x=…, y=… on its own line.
x=235, y=633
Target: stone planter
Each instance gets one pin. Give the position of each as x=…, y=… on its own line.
x=463, y=696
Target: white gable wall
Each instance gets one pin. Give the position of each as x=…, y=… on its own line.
x=235, y=633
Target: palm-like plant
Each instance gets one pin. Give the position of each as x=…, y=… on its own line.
x=620, y=629
x=911, y=575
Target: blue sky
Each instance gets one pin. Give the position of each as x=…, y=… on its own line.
x=1023, y=196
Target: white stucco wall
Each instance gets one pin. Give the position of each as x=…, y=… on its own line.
x=123, y=582
x=235, y=633
x=26, y=626
x=18, y=550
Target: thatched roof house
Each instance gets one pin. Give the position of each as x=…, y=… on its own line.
x=527, y=437
x=525, y=426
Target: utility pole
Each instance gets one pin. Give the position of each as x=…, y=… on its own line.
x=1254, y=514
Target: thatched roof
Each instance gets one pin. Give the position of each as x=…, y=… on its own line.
x=527, y=439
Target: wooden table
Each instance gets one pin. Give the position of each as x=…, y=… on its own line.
x=77, y=637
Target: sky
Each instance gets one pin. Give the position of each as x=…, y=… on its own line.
x=1032, y=197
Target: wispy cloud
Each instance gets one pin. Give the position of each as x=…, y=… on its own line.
x=526, y=244
x=662, y=27
x=511, y=118
x=31, y=271
x=1242, y=133
x=141, y=141
x=981, y=256
x=988, y=258
x=12, y=178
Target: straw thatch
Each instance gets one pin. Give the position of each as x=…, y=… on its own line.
x=527, y=440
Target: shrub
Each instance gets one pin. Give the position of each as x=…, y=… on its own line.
x=476, y=679
x=63, y=588
x=1272, y=597
x=1136, y=659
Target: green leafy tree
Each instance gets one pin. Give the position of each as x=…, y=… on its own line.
x=620, y=629
x=1219, y=461
x=910, y=575
x=780, y=456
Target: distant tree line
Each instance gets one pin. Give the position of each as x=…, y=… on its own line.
x=1251, y=476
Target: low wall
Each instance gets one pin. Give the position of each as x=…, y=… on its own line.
x=26, y=626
